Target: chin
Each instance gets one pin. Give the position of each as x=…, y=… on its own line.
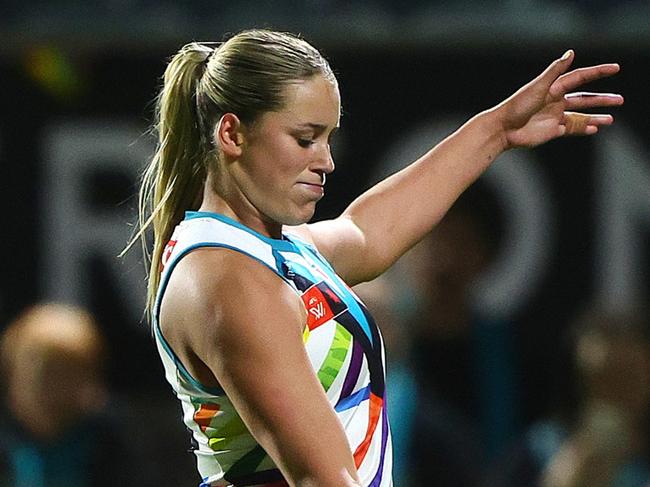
x=300, y=216
x=292, y=222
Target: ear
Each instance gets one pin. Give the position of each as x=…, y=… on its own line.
x=229, y=135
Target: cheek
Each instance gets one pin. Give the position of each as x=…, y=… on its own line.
x=281, y=173
x=278, y=167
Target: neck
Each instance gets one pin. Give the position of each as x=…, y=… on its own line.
x=222, y=201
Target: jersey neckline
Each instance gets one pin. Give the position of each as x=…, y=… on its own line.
x=284, y=243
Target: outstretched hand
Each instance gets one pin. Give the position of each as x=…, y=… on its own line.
x=544, y=108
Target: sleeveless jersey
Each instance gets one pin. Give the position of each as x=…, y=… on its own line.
x=341, y=339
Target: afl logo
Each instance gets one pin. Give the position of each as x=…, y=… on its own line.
x=319, y=309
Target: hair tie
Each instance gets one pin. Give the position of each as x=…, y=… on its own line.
x=213, y=47
x=210, y=54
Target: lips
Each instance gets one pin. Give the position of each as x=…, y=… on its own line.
x=316, y=188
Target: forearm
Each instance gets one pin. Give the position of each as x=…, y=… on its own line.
x=391, y=217
x=396, y=213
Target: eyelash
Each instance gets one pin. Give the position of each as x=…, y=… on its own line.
x=305, y=142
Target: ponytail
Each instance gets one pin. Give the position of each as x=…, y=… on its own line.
x=173, y=181
x=246, y=75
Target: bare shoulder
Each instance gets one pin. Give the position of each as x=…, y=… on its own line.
x=217, y=296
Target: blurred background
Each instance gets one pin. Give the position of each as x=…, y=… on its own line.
x=517, y=331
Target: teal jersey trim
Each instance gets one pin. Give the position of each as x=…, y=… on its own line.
x=163, y=286
x=283, y=244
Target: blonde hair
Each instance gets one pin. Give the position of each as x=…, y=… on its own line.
x=245, y=75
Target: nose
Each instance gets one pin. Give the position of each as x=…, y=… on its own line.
x=326, y=161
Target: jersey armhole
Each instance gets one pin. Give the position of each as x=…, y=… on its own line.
x=156, y=315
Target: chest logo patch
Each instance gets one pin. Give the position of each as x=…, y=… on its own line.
x=322, y=304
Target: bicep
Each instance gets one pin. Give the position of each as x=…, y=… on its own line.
x=256, y=352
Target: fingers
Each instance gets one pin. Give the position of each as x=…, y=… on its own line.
x=556, y=68
x=573, y=79
x=584, y=123
x=584, y=99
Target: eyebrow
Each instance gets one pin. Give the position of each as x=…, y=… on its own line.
x=317, y=126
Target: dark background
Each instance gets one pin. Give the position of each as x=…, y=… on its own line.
x=388, y=86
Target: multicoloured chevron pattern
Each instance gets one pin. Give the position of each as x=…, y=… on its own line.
x=341, y=339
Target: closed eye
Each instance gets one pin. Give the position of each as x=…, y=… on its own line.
x=305, y=142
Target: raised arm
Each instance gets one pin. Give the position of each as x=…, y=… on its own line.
x=230, y=312
x=387, y=220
